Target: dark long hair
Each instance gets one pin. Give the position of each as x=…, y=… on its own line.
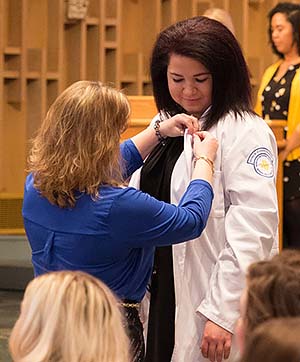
x=292, y=13
x=212, y=44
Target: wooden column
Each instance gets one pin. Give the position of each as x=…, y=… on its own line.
x=277, y=127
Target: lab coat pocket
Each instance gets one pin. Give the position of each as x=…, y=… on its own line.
x=218, y=206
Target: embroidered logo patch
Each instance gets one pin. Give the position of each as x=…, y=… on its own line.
x=263, y=162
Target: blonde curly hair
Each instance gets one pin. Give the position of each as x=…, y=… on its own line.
x=77, y=145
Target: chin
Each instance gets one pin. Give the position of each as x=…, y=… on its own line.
x=195, y=112
x=192, y=110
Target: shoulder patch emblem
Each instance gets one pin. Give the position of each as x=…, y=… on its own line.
x=263, y=162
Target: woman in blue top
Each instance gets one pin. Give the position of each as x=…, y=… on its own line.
x=78, y=215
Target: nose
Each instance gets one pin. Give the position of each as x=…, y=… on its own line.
x=189, y=89
x=274, y=34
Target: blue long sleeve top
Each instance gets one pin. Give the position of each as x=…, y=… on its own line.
x=113, y=237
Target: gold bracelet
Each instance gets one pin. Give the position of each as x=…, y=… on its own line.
x=131, y=305
x=207, y=160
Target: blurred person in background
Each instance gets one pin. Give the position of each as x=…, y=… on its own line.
x=279, y=99
x=222, y=16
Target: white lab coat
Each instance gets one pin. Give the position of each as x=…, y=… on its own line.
x=209, y=272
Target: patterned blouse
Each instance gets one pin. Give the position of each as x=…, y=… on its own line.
x=276, y=95
x=275, y=104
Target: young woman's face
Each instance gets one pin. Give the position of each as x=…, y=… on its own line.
x=190, y=84
x=282, y=33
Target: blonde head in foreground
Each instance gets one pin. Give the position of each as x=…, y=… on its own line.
x=68, y=317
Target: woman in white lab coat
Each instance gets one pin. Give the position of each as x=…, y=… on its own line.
x=197, y=67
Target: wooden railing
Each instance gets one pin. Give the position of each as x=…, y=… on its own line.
x=143, y=109
x=11, y=221
x=277, y=127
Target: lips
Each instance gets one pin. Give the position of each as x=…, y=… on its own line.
x=191, y=100
x=276, y=43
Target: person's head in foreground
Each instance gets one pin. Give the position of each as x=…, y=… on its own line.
x=272, y=291
x=276, y=340
x=68, y=317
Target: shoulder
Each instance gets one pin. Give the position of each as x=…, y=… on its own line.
x=274, y=65
x=247, y=146
x=297, y=75
x=29, y=179
x=271, y=68
x=244, y=131
x=245, y=121
x=29, y=188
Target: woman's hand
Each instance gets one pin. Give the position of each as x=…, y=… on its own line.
x=205, y=145
x=216, y=342
x=176, y=125
x=205, y=149
x=146, y=140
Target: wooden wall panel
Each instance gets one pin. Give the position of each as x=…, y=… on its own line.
x=43, y=50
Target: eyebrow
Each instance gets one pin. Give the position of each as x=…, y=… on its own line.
x=194, y=75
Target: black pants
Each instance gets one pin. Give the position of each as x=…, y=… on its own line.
x=291, y=224
x=134, y=330
x=161, y=326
